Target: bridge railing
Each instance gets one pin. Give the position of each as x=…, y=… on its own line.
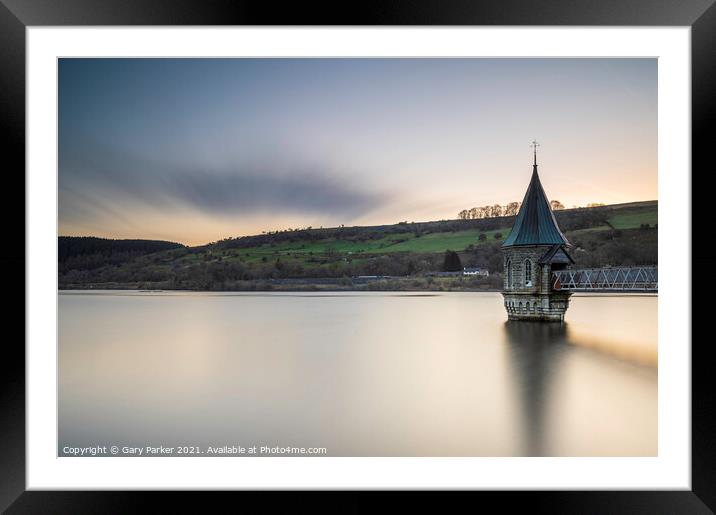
x=643, y=278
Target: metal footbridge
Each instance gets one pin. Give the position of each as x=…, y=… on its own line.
x=624, y=279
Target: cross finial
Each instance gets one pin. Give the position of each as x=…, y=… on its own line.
x=534, y=144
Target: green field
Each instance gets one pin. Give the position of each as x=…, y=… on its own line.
x=402, y=242
x=635, y=220
x=442, y=241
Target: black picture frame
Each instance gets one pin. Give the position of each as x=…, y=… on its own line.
x=17, y=15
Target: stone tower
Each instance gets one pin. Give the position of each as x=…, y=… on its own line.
x=533, y=249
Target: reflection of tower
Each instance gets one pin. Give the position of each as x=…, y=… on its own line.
x=535, y=350
x=534, y=247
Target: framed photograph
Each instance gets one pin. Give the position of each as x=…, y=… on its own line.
x=404, y=251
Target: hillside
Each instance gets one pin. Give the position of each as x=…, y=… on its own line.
x=622, y=234
x=89, y=252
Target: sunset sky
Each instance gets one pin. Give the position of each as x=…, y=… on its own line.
x=195, y=150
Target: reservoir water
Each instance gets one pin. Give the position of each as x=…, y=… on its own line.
x=358, y=374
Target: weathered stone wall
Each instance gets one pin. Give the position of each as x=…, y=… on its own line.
x=517, y=256
x=528, y=306
x=535, y=302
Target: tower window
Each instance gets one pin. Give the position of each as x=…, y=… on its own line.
x=509, y=273
x=528, y=273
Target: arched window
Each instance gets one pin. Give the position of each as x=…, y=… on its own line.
x=528, y=272
x=509, y=273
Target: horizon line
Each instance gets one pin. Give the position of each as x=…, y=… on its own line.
x=311, y=228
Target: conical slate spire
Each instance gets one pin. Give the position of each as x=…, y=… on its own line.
x=535, y=223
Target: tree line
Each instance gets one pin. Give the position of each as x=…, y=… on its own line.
x=510, y=209
x=89, y=252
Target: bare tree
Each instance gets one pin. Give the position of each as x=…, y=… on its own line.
x=556, y=204
x=480, y=212
x=511, y=209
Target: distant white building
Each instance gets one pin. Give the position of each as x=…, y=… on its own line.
x=483, y=272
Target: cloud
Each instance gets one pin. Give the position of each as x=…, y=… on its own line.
x=115, y=179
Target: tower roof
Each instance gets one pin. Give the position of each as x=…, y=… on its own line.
x=535, y=223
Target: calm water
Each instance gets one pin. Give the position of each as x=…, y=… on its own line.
x=361, y=374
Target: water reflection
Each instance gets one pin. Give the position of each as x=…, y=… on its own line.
x=364, y=374
x=535, y=352
x=576, y=397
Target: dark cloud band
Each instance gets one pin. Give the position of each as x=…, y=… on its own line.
x=116, y=177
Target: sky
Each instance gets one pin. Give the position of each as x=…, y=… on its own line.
x=196, y=150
